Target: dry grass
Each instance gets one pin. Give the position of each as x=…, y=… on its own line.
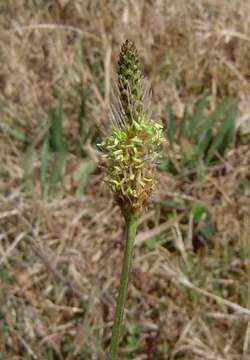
x=60, y=260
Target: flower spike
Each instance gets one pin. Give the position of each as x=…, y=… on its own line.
x=133, y=144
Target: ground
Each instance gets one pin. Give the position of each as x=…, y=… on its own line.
x=61, y=234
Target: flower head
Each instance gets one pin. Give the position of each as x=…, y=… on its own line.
x=133, y=144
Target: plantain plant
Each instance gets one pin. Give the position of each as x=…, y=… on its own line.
x=131, y=148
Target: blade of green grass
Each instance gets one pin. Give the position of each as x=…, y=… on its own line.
x=81, y=176
x=224, y=134
x=81, y=136
x=57, y=166
x=27, y=165
x=79, y=51
x=218, y=112
x=170, y=126
x=56, y=133
x=188, y=154
x=183, y=131
x=44, y=162
x=228, y=137
x=198, y=114
x=59, y=145
x=14, y=134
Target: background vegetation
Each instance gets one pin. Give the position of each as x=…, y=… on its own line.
x=61, y=233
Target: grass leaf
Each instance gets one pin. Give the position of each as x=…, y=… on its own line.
x=224, y=134
x=56, y=132
x=205, y=133
x=81, y=136
x=183, y=132
x=14, y=134
x=58, y=144
x=44, y=162
x=81, y=176
x=57, y=166
x=198, y=114
x=170, y=126
x=229, y=134
x=27, y=165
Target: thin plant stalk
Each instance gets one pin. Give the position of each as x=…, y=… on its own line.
x=130, y=232
x=130, y=149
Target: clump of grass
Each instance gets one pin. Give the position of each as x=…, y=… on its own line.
x=199, y=141
x=131, y=149
x=53, y=150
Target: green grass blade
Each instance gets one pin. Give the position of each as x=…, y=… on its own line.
x=231, y=129
x=198, y=114
x=188, y=154
x=57, y=167
x=27, y=165
x=224, y=134
x=79, y=51
x=14, y=134
x=81, y=136
x=82, y=175
x=56, y=132
x=44, y=163
x=170, y=126
x=206, y=130
x=183, y=131
x=58, y=144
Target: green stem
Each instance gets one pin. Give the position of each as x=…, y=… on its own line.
x=130, y=231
